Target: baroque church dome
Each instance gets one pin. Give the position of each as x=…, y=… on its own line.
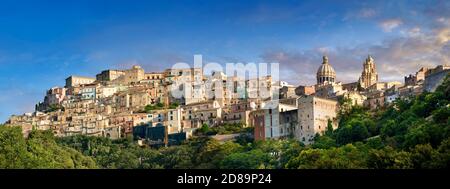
x=325, y=72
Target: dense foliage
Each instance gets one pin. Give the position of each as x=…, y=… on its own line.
x=39, y=150
x=411, y=133
x=226, y=128
x=159, y=106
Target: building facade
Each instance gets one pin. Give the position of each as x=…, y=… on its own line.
x=314, y=115
x=369, y=75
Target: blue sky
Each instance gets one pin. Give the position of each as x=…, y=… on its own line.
x=42, y=42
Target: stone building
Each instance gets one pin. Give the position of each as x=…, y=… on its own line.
x=78, y=80
x=257, y=121
x=185, y=85
x=53, y=96
x=219, y=87
x=391, y=94
x=410, y=91
x=109, y=75
x=355, y=97
x=133, y=75
x=88, y=92
x=275, y=120
x=329, y=90
x=435, y=77
x=106, y=91
x=239, y=112
x=375, y=99
x=369, y=75
x=259, y=88
x=381, y=86
x=154, y=76
x=173, y=121
x=412, y=80
x=353, y=86
x=304, y=90
x=287, y=91
x=195, y=114
x=314, y=113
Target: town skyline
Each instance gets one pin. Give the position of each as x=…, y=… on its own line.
x=210, y=71
x=400, y=42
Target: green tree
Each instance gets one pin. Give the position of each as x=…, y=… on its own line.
x=13, y=149
x=38, y=151
x=389, y=158
x=423, y=156
x=345, y=157
x=324, y=142
x=176, y=157
x=329, y=130
x=253, y=159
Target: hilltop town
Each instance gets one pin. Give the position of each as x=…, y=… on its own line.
x=133, y=102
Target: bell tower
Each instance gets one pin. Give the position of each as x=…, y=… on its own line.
x=369, y=75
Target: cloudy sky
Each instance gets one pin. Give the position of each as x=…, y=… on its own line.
x=42, y=42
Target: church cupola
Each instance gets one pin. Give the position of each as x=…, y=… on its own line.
x=325, y=73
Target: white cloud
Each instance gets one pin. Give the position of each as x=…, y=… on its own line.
x=414, y=32
x=367, y=13
x=441, y=19
x=443, y=35
x=390, y=24
x=323, y=50
x=394, y=57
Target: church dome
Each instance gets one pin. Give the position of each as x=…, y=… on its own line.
x=325, y=72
